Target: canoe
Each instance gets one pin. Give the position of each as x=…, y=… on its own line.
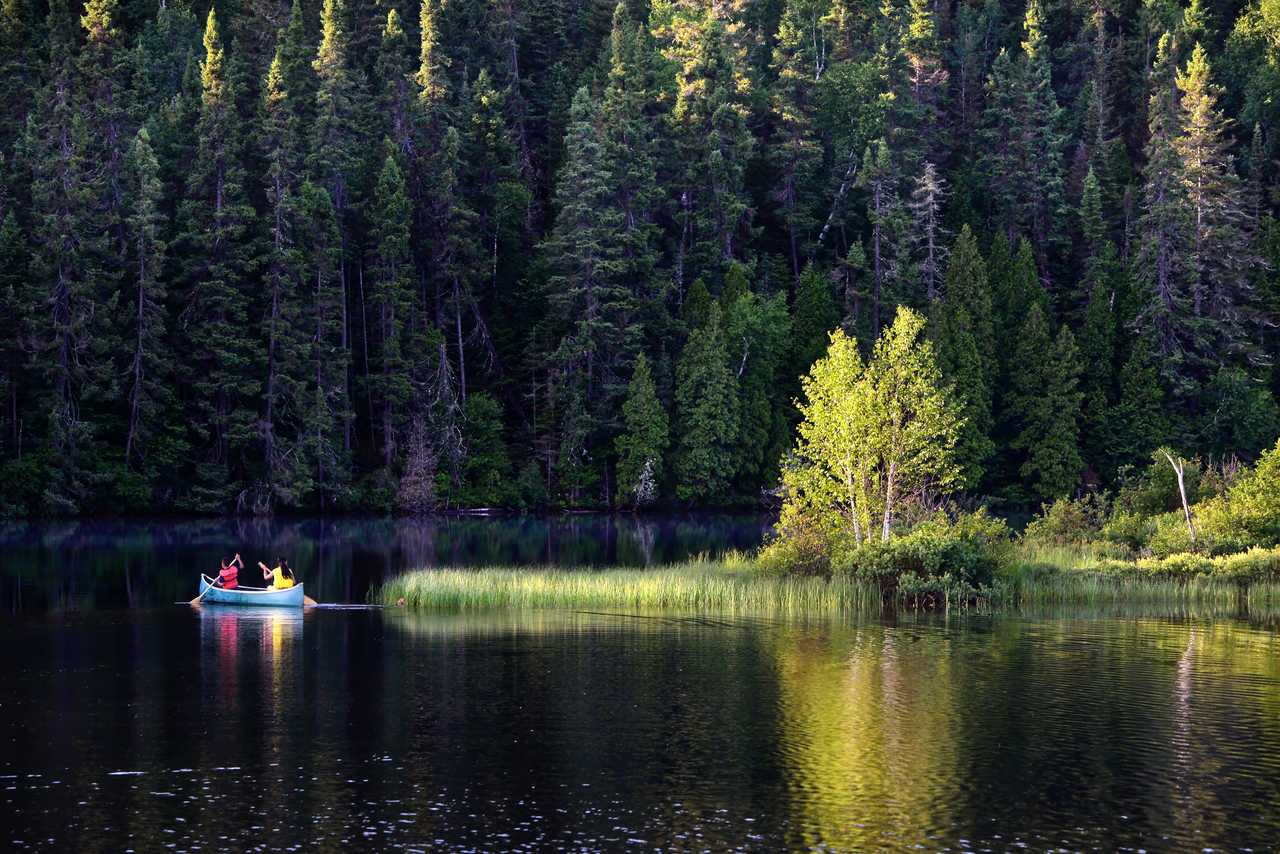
x=291, y=597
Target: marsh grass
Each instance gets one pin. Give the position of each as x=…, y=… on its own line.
x=728, y=585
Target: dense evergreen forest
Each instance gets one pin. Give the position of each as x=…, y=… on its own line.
x=263, y=257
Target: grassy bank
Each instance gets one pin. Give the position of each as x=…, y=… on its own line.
x=737, y=585
x=728, y=586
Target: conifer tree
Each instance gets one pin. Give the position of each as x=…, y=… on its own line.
x=69, y=250
x=813, y=316
x=297, y=77
x=335, y=133
x=1045, y=402
x=390, y=296
x=881, y=181
x=628, y=144
x=285, y=403
x=1220, y=256
x=326, y=441
x=706, y=416
x=714, y=145
x=396, y=99
x=104, y=82
x=588, y=291
x=927, y=233
x=643, y=441
x=150, y=380
x=215, y=245
x=800, y=59
x=1138, y=421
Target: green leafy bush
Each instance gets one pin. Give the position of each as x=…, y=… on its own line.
x=1068, y=521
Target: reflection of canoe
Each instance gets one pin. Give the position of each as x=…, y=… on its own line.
x=291, y=597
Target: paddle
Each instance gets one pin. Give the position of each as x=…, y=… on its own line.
x=196, y=601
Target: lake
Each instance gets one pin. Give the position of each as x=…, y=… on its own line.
x=214, y=728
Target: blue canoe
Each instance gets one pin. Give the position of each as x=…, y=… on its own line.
x=291, y=597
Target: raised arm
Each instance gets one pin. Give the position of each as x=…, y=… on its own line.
x=266, y=573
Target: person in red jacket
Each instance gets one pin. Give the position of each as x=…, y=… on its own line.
x=229, y=575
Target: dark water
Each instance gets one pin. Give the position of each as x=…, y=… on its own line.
x=363, y=729
x=95, y=564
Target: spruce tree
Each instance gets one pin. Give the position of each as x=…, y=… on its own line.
x=390, y=297
x=326, y=441
x=706, y=416
x=150, y=377
x=1045, y=403
x=1220, y=257
x=1138, y=421
x=643, y=441
x=221, y=363
x=813, y=315
x=800, y=58
x=588, y=288
x=66, y=347
x=285, y=404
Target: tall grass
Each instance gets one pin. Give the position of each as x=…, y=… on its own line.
x=697, y=587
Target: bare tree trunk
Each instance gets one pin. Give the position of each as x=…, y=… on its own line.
x=1179, y=466
x=888, y=501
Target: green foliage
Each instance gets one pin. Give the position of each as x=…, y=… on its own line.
x=486, y=475
x=1068, y=521
x=643, y=442
x=707, y=416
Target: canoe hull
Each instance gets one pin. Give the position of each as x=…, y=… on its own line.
x=292, y=597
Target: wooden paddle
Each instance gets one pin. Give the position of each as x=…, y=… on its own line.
x=196, y=601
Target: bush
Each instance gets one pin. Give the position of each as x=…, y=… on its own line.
x=1132, y=530
x=1068, y=522
x=966, y=552
x=1169, y=535
x=1254, y=565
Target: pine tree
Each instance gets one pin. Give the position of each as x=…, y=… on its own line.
x=963, y=331
x=285, y=404
x=927, y=233
x=214, y=243
x=588, y=290
x=17, y=70
x=799, y=59
x=1097, y=360
x=1220, y=258
x=715, y=145
x=643, y=441
x=397, y=104
x=335, y=136
x=66, y=350
x=149, y=383
x=628, y=145
x=706, y=415
x=920, y=91
x=458, y=252
x=1138, y=420
x=1045, y=402
x=881, y=181
x=390, y=297
x=297, y=77
x=486, y=474
x=813, y=316
x=325, y=441
x=104, y=82
x=1161, y=266
x=1025, y=143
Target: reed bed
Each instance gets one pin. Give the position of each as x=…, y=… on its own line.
x=695, y=587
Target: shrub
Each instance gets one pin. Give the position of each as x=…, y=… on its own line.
x=966, y=551
x=1169, y=535
x=1132, y=530
x=1254, y=565
x=1067, y=521
x=1182, y=565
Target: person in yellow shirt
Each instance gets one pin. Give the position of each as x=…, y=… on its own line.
x=281, y=577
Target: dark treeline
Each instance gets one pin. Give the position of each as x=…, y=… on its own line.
x=262, y=256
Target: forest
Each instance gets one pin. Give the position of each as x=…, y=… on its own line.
x=352, y=255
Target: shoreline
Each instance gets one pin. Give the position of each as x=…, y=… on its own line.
x=736, y=584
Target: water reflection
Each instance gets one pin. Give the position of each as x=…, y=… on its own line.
x=232, y=728
x=61, y=566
